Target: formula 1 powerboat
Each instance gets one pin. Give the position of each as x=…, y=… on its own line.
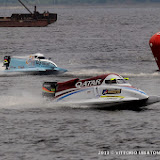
x=33, y=64
x=101, y=91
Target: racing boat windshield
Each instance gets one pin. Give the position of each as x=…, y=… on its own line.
x=41, y=57
x=115, y=79
x=110, y=81
x=121, y=81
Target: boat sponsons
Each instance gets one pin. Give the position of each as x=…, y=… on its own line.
x=154, y=44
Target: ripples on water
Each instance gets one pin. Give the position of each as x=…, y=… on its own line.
x=87, y=41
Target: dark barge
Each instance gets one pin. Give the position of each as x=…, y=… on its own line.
x=34, y=19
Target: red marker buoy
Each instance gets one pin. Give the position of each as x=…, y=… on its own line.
x=154, y=43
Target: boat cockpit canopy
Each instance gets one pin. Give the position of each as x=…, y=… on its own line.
x=115, y=79
x=39, y=56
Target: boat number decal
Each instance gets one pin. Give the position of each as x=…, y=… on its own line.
x=88, y=83
x=111, y=91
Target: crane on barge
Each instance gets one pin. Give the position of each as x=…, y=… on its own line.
x=31, y=19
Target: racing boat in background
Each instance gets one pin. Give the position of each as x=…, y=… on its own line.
x=99, y=92
x=33, y=64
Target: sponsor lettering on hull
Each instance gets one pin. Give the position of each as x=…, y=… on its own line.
x=88, y=83
x=111, y=91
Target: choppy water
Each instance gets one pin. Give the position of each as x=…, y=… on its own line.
x=87, y=41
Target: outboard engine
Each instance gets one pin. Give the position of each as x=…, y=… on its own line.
x=6, y=61
x=49, y=89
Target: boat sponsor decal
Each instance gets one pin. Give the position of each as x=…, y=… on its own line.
x=69, y=94
x=112, y=97
x=30, y=60
x=12, y=67
x=88, y=83
x=65, y=93
x=5, y=61
x=49, y=91
x=20, y=67
x=111, y=91
x=38, y=62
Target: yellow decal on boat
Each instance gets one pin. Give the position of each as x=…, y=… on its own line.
x=112, y=97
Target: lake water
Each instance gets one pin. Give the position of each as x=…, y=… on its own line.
x=88, y=41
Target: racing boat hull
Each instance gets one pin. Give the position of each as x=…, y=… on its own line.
x=33, y=64
x=98, y=92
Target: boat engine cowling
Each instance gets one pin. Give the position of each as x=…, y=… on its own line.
x=49, y=89
x=6, y=61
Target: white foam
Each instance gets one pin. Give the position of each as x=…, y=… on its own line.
x=96, y=72
x=1, y=68
x=17, y=102
x=27, y=100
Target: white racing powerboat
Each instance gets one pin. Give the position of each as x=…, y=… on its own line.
x=102, y=91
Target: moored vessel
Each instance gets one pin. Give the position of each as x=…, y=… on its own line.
x=31, y=19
